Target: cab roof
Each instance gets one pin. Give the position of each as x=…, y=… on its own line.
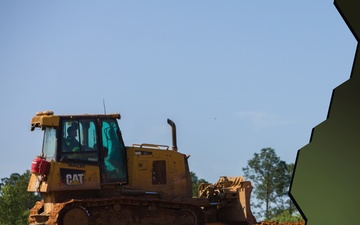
x=49, y=119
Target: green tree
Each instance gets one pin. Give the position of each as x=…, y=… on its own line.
x=289, y=205
x=269, y=175
x=286, y=217
x=195, y=183
x=15, y=201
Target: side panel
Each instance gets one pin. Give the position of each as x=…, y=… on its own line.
x=34, y=183
x=163, y=171
x=65, y=177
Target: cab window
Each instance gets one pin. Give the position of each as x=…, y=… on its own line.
x=49, y=144
x=114, y=152
x=79, y=140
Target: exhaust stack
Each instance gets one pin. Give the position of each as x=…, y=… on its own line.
x=173, y=134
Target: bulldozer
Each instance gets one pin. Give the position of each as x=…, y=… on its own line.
x=87, y=176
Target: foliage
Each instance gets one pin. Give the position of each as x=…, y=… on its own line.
x=286, y=216
x=15, y=201
x=271, y=178
x=195, y=183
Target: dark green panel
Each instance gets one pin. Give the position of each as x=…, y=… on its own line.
x=326, y=178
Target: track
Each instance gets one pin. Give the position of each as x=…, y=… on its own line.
x=114, y=211
x=126, y=211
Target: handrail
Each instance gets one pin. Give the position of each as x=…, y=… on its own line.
x=160, y=147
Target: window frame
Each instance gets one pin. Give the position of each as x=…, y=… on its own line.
x=86, y=154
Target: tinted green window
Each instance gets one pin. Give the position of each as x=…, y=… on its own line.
x=114, y=152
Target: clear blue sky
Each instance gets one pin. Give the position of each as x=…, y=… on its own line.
x=235, y=76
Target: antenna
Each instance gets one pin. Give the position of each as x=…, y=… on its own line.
x=104, y=106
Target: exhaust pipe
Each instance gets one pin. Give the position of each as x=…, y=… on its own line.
x=173, y=134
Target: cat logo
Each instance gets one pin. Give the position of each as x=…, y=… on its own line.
x=72, y=177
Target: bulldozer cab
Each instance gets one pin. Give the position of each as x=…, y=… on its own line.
x=85, y=140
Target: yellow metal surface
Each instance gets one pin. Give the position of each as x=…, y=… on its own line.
x=48, y=119
x=42, y=120
x=66, y=176
x=141, y=172
x=34, y=183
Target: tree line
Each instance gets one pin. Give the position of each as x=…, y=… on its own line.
x=270, y=176
x=15, y=201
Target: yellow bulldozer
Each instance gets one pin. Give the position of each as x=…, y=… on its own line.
x=87, y=176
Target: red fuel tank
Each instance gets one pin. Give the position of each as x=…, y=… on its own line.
x=40, y=166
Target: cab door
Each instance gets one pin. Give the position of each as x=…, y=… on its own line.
x=114, y=167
